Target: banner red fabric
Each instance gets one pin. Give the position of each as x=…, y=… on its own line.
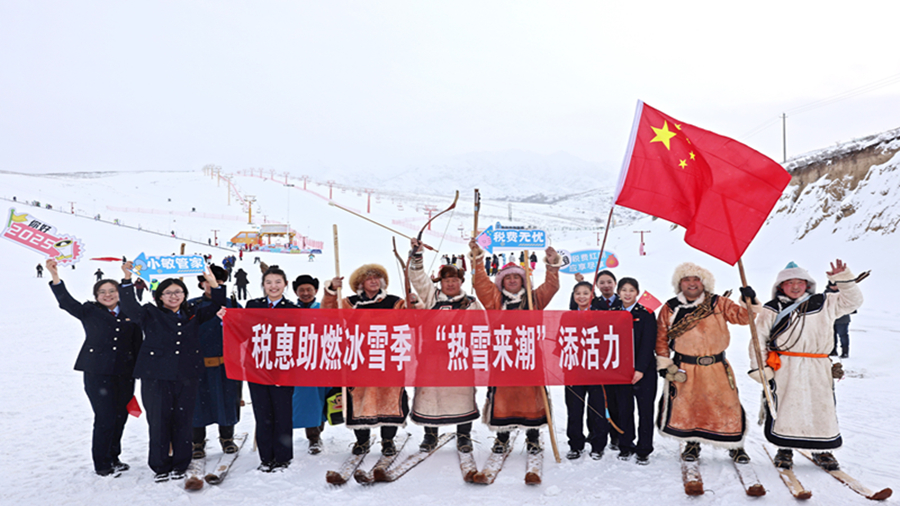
x=366, y=347
x=718, y=189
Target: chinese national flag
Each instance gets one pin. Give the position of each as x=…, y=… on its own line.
x=134, y=409
x=718, y=189
x=649, y=302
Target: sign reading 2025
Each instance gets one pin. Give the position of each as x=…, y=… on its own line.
x=36, y=235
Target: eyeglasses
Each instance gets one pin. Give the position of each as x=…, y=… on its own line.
x=106, y=292
x=173, y=294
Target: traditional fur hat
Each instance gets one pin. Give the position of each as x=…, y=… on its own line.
x=451, y=271
x=305, y=279
x=689, y=269
x=364, y=271
x=793, y=271
x=510, y=268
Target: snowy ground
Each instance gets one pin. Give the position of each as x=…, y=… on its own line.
x=46, y=418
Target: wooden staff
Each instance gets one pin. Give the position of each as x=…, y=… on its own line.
x=760, y=362
x=543, y=388
x=475, y=232
x=340, y=304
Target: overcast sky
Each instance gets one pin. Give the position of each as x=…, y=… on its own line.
x=298, y=85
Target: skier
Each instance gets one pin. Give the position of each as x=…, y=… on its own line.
x=40, y=271
x=796, y=329
x=169, y=366
x=533, y=259
x=642, y=389
x=309, y=402
x=241, y=282
x=511, y=407
x=111, y=345
x=437, y=406
x=218, y=398
x=594, y=395
x=139, y=286
x=384, y=407
x=98, y=274
x=700, y=400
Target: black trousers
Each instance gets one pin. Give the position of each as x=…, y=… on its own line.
x=109, y=396
x=387, y=432
x=641, y=394
x=598, y=426
x=242, y=292
x=273, y=411
x=170, y=414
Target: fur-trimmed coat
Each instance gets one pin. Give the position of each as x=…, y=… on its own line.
x=511, y=407
x=803, y=387
x=370, y=407
x=706, y=407
x=436, y=406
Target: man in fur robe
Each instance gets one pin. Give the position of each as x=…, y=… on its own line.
x=700, y=398
x=370, y=407
x=440, y=406
x=511, y=407
x=796, y=329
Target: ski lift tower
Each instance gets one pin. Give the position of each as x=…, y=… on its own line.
x=250, y=199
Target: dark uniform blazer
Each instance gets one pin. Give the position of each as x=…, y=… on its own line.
x=171, y=349
x=111, y=343
x=263, y=302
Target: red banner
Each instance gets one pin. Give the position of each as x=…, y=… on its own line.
x=368, y=347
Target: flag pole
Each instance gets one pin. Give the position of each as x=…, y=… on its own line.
x=602, y=247
x=340, y=302
x=760, y=363
x=543, y=388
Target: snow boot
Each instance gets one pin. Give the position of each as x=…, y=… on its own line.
x=500, y=446
x=533, y=446
x=691, y=452
x=120, y=466
x=784, y=459
x=360, y=447
x=429, y=442
x=464, y=442
x=199, y=450
x=826, y=461
x=228, y=445
x=315, y=440
x=625, y=454
x=739, y=456
x=161, y=477
x=643, y=460
x=387, y=447
x=574, y=454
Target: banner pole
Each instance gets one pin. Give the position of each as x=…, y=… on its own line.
x=760, y=362
x=543, y=388
x=602, y=248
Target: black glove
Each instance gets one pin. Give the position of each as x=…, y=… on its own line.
x=748, y=293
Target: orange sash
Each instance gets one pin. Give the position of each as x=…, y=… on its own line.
x=774, y=360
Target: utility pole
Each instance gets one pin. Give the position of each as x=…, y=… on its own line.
x=228, y=179
x=641, y=249
x=285, y=178
x=272, y=174
x=218, y=175
x=250, y=200
x=784, y=137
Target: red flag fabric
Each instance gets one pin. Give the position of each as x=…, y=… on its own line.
x=386, y=347
x=718, y=189
x=134, y=409
x=649, y=302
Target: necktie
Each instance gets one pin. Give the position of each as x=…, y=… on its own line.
x=271, y=305
x=112, y=312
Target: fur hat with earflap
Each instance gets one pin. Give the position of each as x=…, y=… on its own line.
x=364, y=271
x=793, y=271
x=510, y=268
x=689, y=269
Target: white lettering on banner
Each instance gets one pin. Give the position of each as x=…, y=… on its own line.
x=502, y=347
x=459, y=352
x=568, y=342
x=353, y=356
x=262, y=345
x=525, y=347
x=613, y=340
x=284, y=347
x=590, y=358
x=331, y=348
x=524, y=236
x=481, y=340
x=196, y=262
x=401, y=345
x=378, y=339
x=537, y=236
x=167, y=263
x=182, y=263
x=307, y=347
x=153, y=263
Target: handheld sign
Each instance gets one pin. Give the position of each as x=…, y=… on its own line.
x=585, y=261
x=175, y=265
x=36, y=235
x=511, y=238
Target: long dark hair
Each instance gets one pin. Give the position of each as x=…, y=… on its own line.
x=572, y=304
x=157, y=295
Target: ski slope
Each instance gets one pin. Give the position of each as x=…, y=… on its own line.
x=46, y=418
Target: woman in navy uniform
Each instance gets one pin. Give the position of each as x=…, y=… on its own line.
x=169, y=366
x=111, y=345
x=272, y=404
x=218, y=398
